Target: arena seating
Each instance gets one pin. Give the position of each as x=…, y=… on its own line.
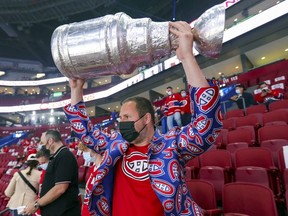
x=248, y=199
x=203, y=193
x=248, y=155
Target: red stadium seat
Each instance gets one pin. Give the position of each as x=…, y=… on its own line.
x=254, y=156
x=260, y=108
x=260, y=157
x=272, y=132
x=192, y=168
x=274, y=146
x=257, y=175
x=278, y=105
x=247, y=121
x=234, y=113
x=220, y=158
x=259, y=117
x=242, y=134
x=221, y=140
x=229, y=123
x=233, y=147
x=203, y=193
x=216, y=167
x=275, y=116
x=214, y=175
x=248, y=198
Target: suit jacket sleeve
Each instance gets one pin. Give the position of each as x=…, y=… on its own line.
x=198, y=136
x=83, y=128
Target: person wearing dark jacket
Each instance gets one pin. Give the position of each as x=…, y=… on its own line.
x=243, y=99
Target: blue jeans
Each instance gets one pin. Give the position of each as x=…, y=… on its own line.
x=177, y=117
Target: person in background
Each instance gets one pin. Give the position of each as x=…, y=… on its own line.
x=172, y=109
x=142, y=170
x=185, y=108
x=90, y=157
x=267, y=95
x=242, y=95
x=43, y=156
x=18, y=191
x=59, y=192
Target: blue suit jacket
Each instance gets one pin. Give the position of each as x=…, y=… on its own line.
x=167, y=154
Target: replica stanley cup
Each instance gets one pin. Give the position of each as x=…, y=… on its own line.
x=117, y=44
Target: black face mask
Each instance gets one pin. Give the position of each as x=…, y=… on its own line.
x=128, y=131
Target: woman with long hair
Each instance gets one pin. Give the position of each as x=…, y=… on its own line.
x=19, y=191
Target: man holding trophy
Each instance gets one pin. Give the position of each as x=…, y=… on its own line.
x=142, y=170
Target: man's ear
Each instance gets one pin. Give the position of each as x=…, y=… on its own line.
x=147, y=118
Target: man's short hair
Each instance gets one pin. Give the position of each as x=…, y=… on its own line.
x=240, y=86
x=143, y=106
x=169, y=87
x=54, y=134
x=262, y=83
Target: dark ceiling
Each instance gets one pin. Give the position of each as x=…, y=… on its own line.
x=26, y=26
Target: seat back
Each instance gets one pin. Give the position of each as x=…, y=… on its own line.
x=203, y=193
x=216, y=176
x=270, y=132
x=234, y=113
x=233, y=147
x=274, y=146
x=247, y=120
x=219, y=157
x=280, y=104
x=192, y=168
x=254, y=156
x=260, y=108
x=248, y=198
x=277, y=115
x=257, y=175
x=243, y=134
x=229, y=123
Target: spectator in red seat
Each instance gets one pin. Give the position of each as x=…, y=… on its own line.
x=172, y=109
x=267, y=95
x=185, y=108
x=242, y=95
x=5, y=149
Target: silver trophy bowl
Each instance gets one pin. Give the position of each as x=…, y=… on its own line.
x=117, y=44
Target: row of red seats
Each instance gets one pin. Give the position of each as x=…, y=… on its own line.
x=239, y=199
x=253, y=164
x=247, y=134
x=4, y=181
x=260, y=108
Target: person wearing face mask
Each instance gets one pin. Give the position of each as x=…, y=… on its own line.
x=242, y=98
x=42, y=156
x=59, y=191
x=267, y=95
x=142, y=170
x=172, y=108
x=185, y=108
x=89, y=156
